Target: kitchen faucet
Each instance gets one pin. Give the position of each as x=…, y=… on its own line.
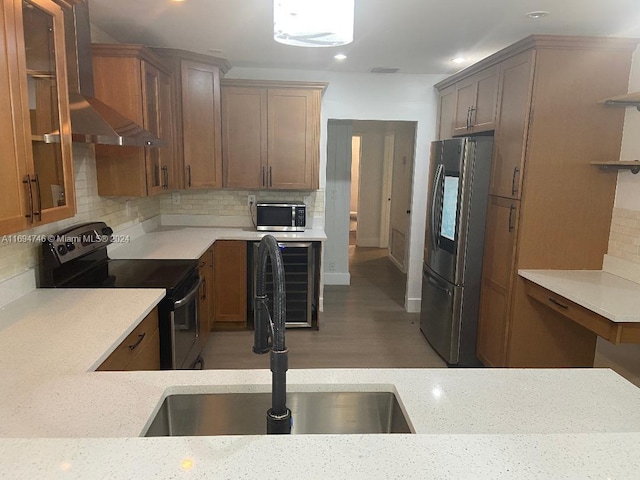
x=272, y=328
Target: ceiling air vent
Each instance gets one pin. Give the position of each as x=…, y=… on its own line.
x=384, y=70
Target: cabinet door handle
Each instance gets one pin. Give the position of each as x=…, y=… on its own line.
x=204, y=288
x=189, y=176
x=468, y=114
x=165, y=177
x=270, y=177
x=512, y=208
x=36, y=180
x=471, y=110
x=140, y=338
x=27, y=181
x=514, y=188
x=556, y=302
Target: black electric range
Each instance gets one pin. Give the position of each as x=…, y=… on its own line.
x=77, y=258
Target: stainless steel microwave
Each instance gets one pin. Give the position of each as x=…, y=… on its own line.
x=281, y=216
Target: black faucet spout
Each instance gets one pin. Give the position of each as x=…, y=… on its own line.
x=272, y=328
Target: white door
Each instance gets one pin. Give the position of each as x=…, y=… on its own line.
x=402, y=180
x=385, y=213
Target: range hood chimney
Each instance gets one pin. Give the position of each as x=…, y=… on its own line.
x=93, y=121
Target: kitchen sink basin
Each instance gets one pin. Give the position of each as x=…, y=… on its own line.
x=312, y=412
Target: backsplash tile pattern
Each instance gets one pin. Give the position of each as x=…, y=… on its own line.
x=16, y=258
x=234, y=202
x=624, y=236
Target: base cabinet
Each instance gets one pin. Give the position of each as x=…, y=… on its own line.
x=230, y=284
x=140, y=350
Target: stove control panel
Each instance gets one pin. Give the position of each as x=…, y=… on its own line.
x=77, y=241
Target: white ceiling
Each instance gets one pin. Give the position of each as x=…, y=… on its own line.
x=418, y=36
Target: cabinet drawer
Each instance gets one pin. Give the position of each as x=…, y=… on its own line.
x=144, y=340
x=614, y=332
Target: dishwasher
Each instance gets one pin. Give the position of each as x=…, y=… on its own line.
x=301, y=268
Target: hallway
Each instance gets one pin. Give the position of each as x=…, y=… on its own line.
x=363, y=325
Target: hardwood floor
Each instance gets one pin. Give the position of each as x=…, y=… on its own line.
x=363, y=325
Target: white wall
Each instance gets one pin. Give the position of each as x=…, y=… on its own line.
x=360, y=96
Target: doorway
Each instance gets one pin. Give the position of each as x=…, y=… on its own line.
x=369, y=191
x=381, y=180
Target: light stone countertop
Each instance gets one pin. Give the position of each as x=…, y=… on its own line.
x=612, y=297
x=181, y=242
x=59, y=419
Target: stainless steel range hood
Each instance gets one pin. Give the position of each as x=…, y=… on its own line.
x=93, y=121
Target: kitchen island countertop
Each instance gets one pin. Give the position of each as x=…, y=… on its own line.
x=58, y=418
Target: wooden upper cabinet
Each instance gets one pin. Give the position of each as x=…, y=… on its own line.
x=514, y=105
x=446, y=112
x=271, y=134
x=198, y=147
x=136, y=83
x=36, y=171
x=476, y=97
x=244, y=138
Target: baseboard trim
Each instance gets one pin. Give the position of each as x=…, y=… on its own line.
x=337, y=278
x=412, y=305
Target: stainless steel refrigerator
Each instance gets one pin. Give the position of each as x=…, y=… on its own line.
x=454, y=243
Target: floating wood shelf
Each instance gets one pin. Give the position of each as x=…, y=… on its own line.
x=633, y=165
x=628, y=100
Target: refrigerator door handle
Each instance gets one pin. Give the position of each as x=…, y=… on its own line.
x=435, y=284
x=434, y=201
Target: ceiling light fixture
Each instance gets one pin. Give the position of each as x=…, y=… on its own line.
x=538, y=14
x=459, y=60
x=340, y=56
x=313, y=23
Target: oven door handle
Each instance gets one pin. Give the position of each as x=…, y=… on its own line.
x=189, y=296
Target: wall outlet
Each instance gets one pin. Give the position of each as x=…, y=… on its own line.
x=175, y=198
x=251, y=200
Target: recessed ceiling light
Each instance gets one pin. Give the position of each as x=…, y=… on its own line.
x=459, y=60
x=340, y=56
x=538, y=14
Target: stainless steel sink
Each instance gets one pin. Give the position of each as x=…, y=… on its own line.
x=312, y=412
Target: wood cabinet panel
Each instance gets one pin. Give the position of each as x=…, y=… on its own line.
x=36, y=176
x=446, y=112
x=230, y=283
x=244, y=113
x=140, y=350
x=293, y=138
x=497, y=278
x=272, y=134
x=133, y=81
x=476, y=99
x=514, y=104
x=201, y=125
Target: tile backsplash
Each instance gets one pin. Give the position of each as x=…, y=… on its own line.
x=624, y=236
x=233, y=203
x=226, y=207
x=16, y=258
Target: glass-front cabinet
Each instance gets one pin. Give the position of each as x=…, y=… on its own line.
x=36, y=168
